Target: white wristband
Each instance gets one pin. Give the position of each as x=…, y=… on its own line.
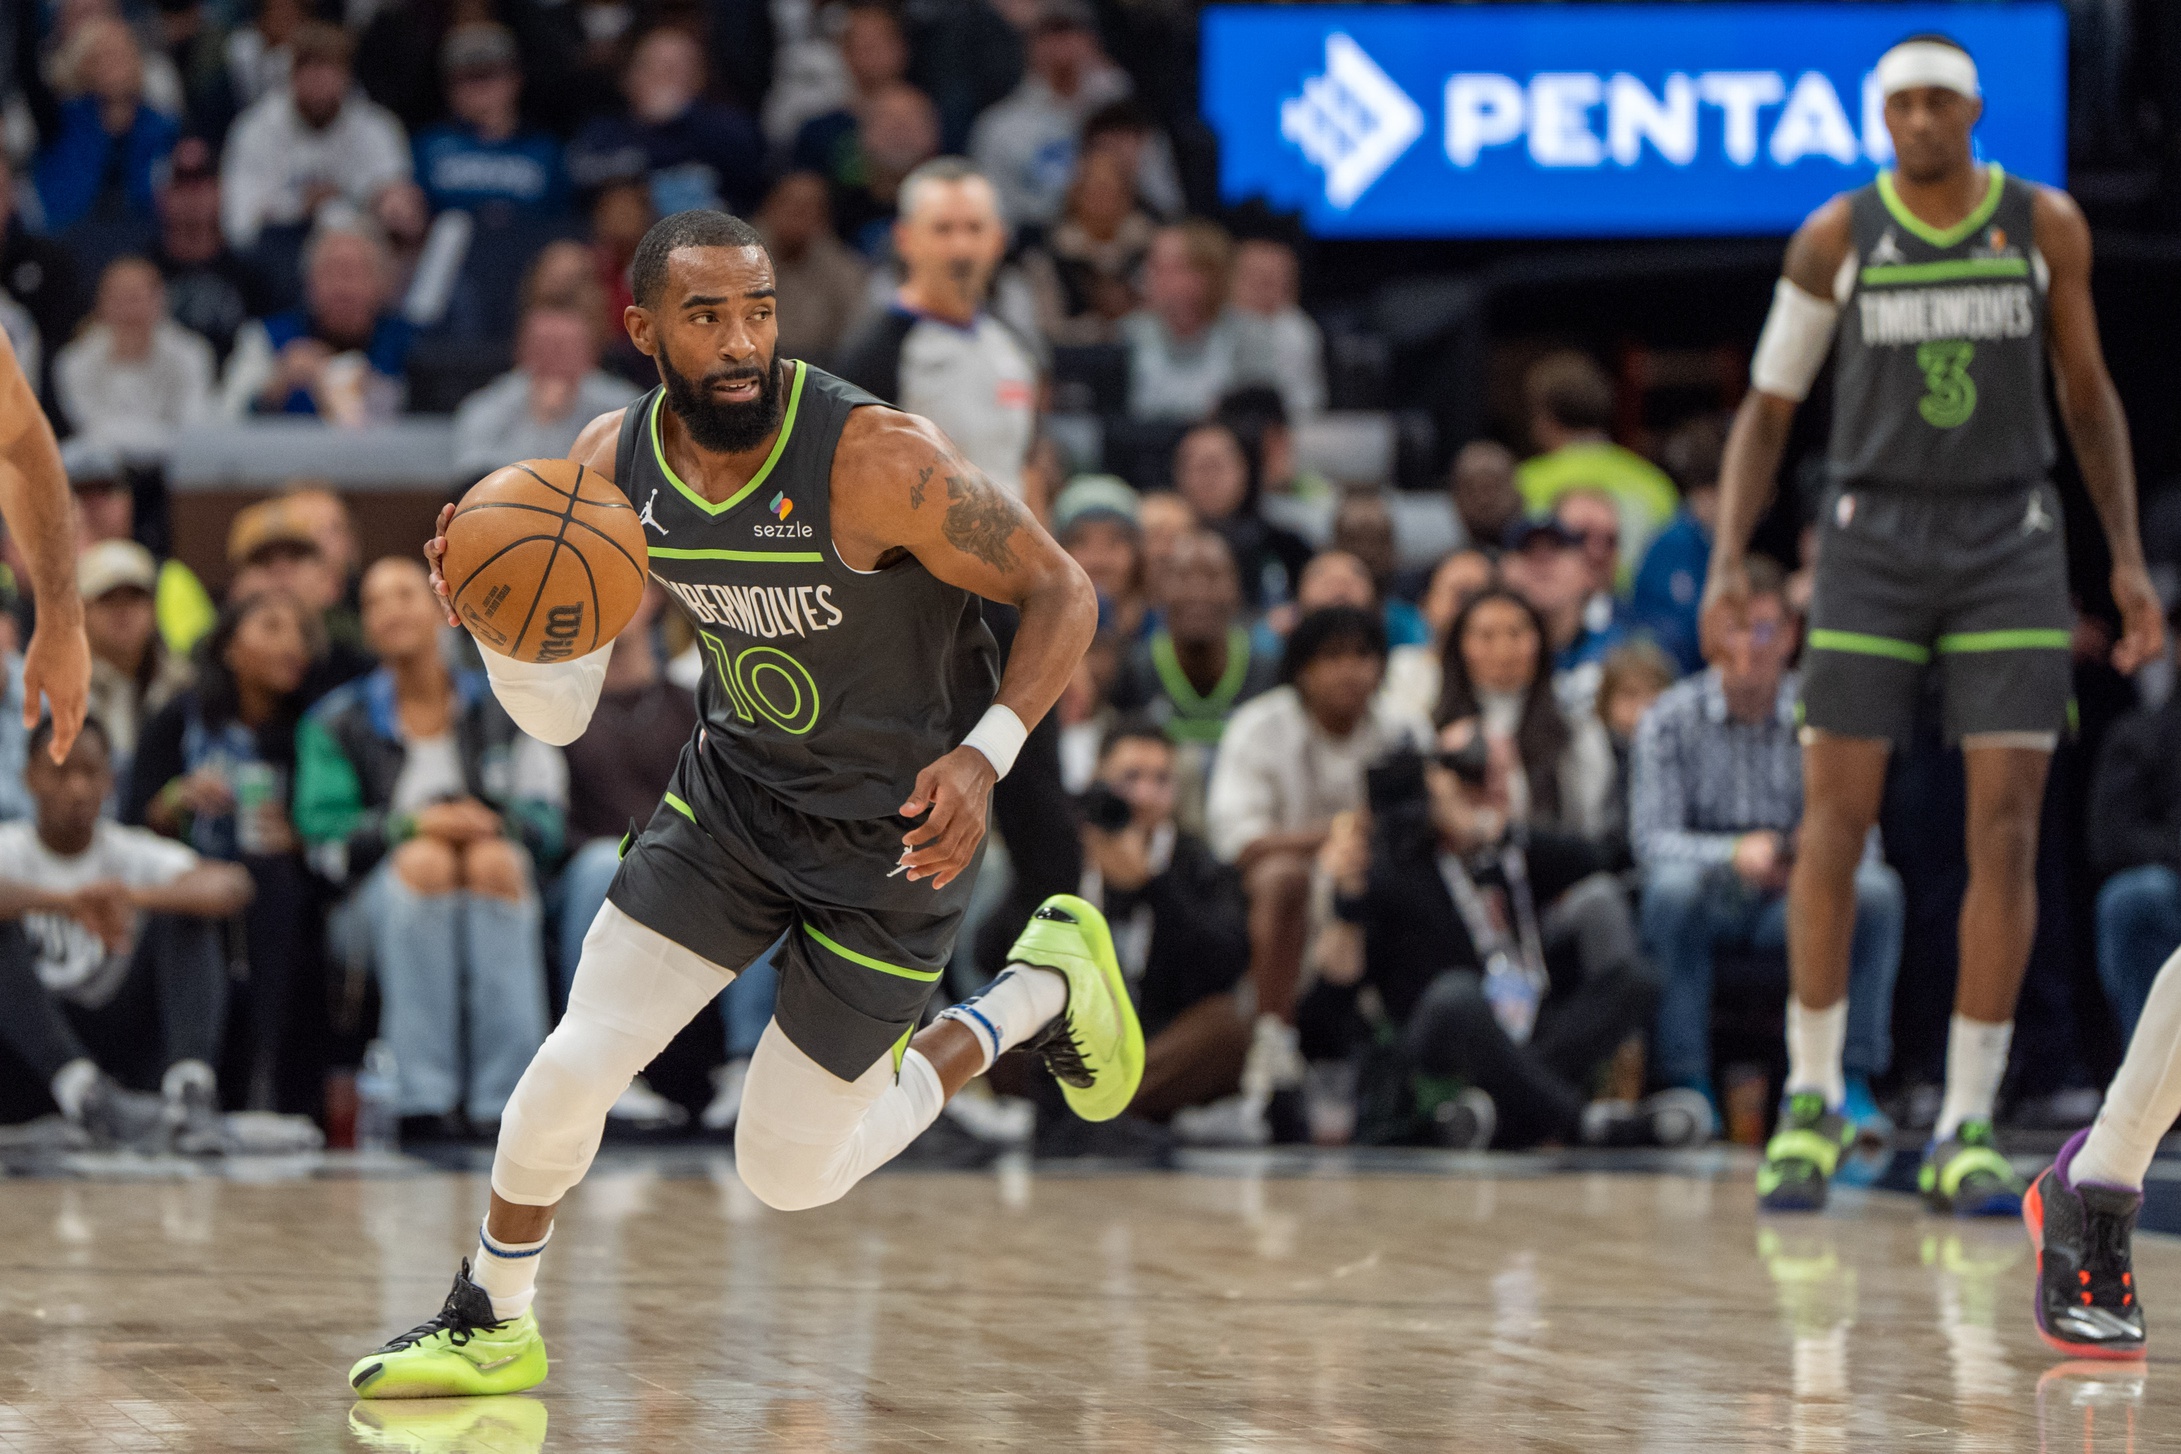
x=999, y=735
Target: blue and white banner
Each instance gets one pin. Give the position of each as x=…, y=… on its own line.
x=1575, y=120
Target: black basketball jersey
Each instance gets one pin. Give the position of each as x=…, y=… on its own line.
x=1940, y=374
x=829, y=686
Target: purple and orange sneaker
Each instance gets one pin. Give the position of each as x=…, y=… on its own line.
x=2086, y=1284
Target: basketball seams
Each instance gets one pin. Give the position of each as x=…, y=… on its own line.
x=545, y=576
x=505, y=562
x=640, y=569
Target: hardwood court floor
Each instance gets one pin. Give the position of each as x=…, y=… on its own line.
x=1482, y=1305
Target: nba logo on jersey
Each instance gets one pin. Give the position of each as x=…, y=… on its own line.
x=781, y=505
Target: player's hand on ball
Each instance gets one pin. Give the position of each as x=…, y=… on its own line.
x=2142, y=619
x=956, y=789
x=435, y=556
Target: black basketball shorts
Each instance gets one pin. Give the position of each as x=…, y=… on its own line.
x=724, y=867
x=1976, y=584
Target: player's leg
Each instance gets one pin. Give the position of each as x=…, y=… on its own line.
x=2081, y=1210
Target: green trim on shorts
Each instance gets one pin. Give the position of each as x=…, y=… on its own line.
x=928, y=976
x=2031, y=639
x=1862, y=643
x=680, y=807
x=901, y=1048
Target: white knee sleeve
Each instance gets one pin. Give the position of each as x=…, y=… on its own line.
x=806, y=1136
x=633, y=992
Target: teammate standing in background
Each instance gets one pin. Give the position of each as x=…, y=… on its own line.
x=34, y=501
x=1948, y=284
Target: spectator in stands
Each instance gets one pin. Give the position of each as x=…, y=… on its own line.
x=822, y=285
x=340, y=356
x=536, y=409
x=1275, y=340
x=1556, y=766
x=421, y=799
x=874, y=57
x=110, y=962
x=134, y=376
x=39, y=276
x=1670, y=584
x=692, y=152
x=1293, y=759
x=1591, y=517
x=325, y=515
x=1332, y=578
x=95, y=173
x=620, y=216
x=897, y=131
x=105, y=505
x=1182, y=352
x=1215, y=474
x=1571, y=409
x=1085, y=270
x=215, y=768
x=132, y=673
x=1543, y=563
x=1095, y=519
x=195, y=44
x=304, y=143
x=275, y=547
x=938, y=351
x=1289, y=494
x=1166, y=517
x=261, y=54
x=2134, y=839
x=1482, y=486
x=1633, y=676
x=1715, y=799
x=1126, y=131
x=1413, y=677
x=484, y=159
x=211, y=290
x=1027, y=142
x=1428, y=907
x=1363, y=527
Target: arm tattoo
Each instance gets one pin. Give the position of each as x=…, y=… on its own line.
x=981, y=519
x=916, y=491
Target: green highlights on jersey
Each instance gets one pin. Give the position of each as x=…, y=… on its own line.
x=1953, y=394
x=780, y=443
x=1096, y=1047
x=765, y=682
x=1862, y=643
x=680, y=807
x=1943, y=236
x=1951, y=270
x=1201, y=717
x=780, y=556
x=452, y=1362
x=2026, y=640
x=928, y=976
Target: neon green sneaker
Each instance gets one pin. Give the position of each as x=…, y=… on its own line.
x=450, y=1425
x=1095, y=1047
x=464, y=1350
x=1803, y=1154
x=1966, y=1176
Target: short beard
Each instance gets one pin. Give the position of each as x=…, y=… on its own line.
x=723, y=428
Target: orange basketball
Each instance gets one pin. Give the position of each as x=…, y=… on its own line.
x=545, y=560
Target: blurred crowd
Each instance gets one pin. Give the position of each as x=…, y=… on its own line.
x=1419, y=818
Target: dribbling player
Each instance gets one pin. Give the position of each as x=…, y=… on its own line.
x=1942, y=289
x=830, y=551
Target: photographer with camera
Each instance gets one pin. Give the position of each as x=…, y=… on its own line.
x=1493, y=971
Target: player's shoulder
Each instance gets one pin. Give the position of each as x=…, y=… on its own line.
x=596, y=447
x=880, y=439
x=2058, y=217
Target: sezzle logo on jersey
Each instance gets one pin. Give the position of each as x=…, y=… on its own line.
x=767, y=611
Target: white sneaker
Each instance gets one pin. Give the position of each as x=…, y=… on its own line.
x=1275, y=1060
x=726, y=1105
x=642, y=1106
x=1001, y=1120
x=1236, y=1120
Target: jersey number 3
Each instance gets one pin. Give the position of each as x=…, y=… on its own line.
x=1953, y=394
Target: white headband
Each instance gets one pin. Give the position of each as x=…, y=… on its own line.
x=1927, y=63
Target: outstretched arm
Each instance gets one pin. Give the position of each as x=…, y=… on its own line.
x=2090, y=408
x=1796, y=336
x=34, y=500
x=901, y=487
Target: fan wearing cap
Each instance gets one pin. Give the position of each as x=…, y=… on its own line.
x=133, y=674
x=105, y=509
x=277, y=546
x=484, y=159
x=1942, y=291
x=1543, y=563
x=1095, y=519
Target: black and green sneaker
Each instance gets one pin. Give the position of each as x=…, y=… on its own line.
x=1966, y=1175
x=1802, y=1155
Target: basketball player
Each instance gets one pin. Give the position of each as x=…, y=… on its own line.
x=35, y=502
x=1943, y=288
x=830, y=551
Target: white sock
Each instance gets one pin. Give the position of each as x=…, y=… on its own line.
x=2145, y=1097
x=71, y=1083
x=1015, y=1006
x=508, y=1272
x=1814, y=1041
x=183, y=1074
x=1976, y=1062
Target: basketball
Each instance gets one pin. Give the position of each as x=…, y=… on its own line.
x=545, y=561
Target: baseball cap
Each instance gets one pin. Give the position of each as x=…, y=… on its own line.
x=112, y=564
x=1520, y=533
x=1088, y=497
x=89, y=461
x=477, y=49
x=265, y=524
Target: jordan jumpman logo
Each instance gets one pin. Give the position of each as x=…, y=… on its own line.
x=647, y=517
